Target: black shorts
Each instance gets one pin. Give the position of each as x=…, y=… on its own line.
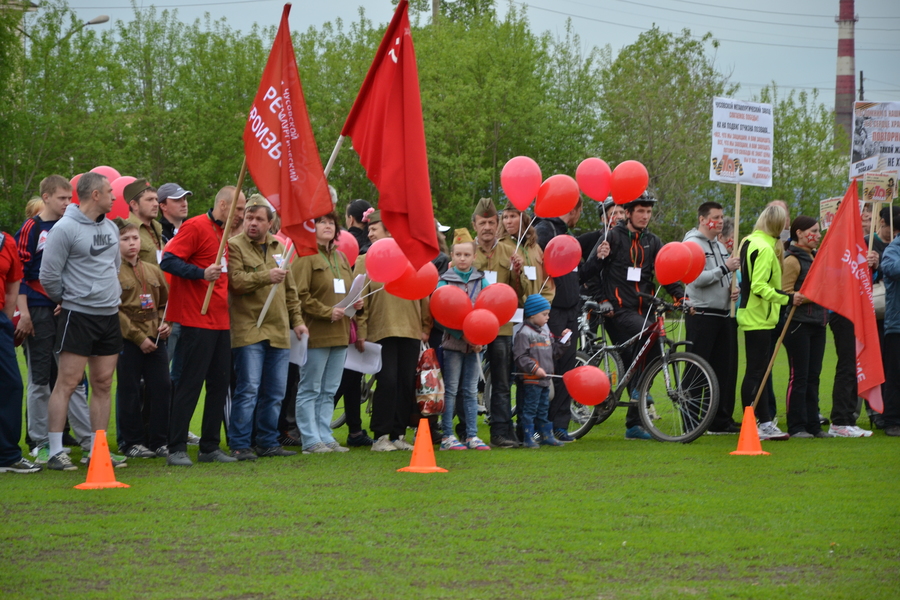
x=88, y=335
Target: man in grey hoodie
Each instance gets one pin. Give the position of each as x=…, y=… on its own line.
x=80, y=272
x=711, y=329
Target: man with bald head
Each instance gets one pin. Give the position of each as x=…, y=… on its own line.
x=205, y=343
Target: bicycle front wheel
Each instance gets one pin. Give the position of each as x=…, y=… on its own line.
x=585, y=417
x=678, y=399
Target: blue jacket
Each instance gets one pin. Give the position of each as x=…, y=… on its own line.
x=890, y=270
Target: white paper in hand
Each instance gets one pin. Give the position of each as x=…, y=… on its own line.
x=359, y=282
x=298, y=349
x=368, y=362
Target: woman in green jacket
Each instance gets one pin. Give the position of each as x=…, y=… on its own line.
x=761, y=299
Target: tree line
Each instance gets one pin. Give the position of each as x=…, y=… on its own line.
x=160, y=98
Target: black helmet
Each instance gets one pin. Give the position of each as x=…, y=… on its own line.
x=645, y=199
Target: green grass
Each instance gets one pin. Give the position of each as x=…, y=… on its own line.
x=602, y=518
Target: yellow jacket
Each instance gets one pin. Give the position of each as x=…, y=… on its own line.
x=314, y=276
x=385, y=315
x=138, y=324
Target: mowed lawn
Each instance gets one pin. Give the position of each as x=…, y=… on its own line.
x=602, y=518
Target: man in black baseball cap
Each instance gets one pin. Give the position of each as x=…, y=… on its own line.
x=173, y=206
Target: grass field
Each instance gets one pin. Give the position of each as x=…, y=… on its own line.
x=602, y=518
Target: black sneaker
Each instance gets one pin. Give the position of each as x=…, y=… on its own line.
x=563, y=436
x=360, y=440
x=500, y=441
x=289, y=440
x=242, y=454
x=179, y=459
x=21, y=466
x=215, y=456
x=274, y=451
x=162, y=452
x=61, y=462
x=730, y=429
x=139, y=451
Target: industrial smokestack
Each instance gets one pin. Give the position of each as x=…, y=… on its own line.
x=845, y=87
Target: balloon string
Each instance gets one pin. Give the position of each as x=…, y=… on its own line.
x=647, y=316
x=605, y=223
x=367, y=295
x=543, y=284
x=522, y=233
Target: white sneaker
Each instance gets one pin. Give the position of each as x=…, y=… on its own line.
x=317, y=448
x=770, y=431
x=849, y=431
x=384, y=444
x=335, y=447
x=402, y=444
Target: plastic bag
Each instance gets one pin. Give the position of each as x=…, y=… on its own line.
x=429, y=384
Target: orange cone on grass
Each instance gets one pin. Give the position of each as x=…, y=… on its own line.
x=748, y=443
x=423, y=452
x=100, y=471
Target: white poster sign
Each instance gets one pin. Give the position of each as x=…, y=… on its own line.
x=742, y=136
x=876, y=137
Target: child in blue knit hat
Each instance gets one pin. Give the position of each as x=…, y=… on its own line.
x=533, y=352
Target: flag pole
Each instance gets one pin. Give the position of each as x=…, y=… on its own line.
x=735, y=248
x=762, y=383
x=290, y=254
x=228, y=222
x=872, y=227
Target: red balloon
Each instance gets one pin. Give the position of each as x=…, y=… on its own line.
x=588, y=385
x=118, y=186
x=698, y=262
x=74, y=183
x=385, y=261
x=119, y=209
x=557, y=196
x=629, y=180
x=450, y=306
x=481, y=326
x=593, y=176
x=414, y=285
x=500, y=299
x=520, y=180
x=562, y=255
x=672, y=262
x=107, y=172
x=349, y=246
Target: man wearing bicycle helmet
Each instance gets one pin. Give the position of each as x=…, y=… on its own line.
x=624, y=263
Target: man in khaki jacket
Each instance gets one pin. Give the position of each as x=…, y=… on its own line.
x=144, y=206
x=255, y=261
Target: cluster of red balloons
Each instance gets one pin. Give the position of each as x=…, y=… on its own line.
x=480, y=324
x=118, y=183
x=587, y=384
x=628, y=181
x=679, y=261
x=521, y=182
x=386, y=263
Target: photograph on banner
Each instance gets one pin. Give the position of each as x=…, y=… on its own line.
x=742, y=135
x=876, y=137
x=827, y=210
x=880, y=186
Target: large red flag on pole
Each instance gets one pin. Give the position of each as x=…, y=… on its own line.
x=281, y=151
x=388, y=133
x=840, y=280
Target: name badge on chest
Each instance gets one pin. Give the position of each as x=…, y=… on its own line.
x=634, y=274
x=531, y=273
x=339, y=286
x=491, y=276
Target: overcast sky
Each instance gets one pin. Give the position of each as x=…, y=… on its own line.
x=791, y=42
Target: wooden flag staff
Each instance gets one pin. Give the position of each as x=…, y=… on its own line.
x=228, y=222
x=736, y=245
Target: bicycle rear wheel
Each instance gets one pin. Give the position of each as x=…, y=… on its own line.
x=584, y=417
x=685, y=401
x=367, y=384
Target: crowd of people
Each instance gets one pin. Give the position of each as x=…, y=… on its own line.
x=147, y=299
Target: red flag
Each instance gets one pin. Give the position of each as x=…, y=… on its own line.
x=388, y=133
x=840, y=280
x=281, y=151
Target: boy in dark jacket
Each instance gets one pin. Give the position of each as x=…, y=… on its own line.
x=534, y=353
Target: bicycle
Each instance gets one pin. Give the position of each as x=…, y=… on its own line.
x=684, y=378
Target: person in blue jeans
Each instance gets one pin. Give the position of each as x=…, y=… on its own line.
x=534, y=352
x=461, y=359
x=255, y=265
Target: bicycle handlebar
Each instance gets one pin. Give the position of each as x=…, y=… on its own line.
x=666, y=305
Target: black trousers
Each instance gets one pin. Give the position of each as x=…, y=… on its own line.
x=757, y=353
x=891, y=349
x=714, y=337
x=287, y=418
x=560, y=407
x=805, y=345
x=624, y=325
x=202, y=356
x=395, y=387
x=843, y=393
x=351, y=390
x=153, y=399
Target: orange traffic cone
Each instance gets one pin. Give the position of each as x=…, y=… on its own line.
x=100, y=471
x=423, y=452
x=748, y=443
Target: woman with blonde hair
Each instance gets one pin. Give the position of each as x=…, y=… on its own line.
x=761, y=299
